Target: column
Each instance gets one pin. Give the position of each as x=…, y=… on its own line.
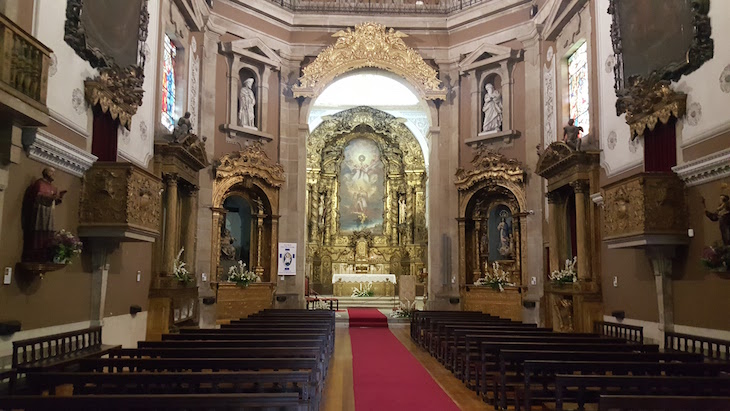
x=462, y=250
x=259, y=242
x=170, y=244
x=219, y=221
x=190, y=233
x=553, y=199
x=661, y=262
x=581, y=227
x=477, y=249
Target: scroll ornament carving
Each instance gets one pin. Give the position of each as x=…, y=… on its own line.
x=117, y=91
x=648, y=102
x=369, y=45
x=252, y=162
x=489, y=165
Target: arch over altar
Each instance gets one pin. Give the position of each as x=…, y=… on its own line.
x=366, y=183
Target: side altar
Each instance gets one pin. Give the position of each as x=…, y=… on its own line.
x=383, y=284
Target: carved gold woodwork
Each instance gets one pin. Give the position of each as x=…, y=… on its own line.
x=506, y=304
x=492, y=180
x=649, y=102
x=369, y=45
x=117, y=91
x=120, y=200
x=234, y=301
x=250, y=174
x=647, y=204
x=404, y=236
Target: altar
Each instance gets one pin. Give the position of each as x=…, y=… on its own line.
x=383, y=284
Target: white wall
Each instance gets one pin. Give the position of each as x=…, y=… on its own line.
x=68, y=71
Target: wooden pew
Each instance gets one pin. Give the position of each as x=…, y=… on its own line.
x=587, y=388
x=668, y=403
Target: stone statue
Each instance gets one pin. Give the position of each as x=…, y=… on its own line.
x=182, y=129
x=228, y=251
x=492, y=109
x=722, y=216
x=247, y=101
x=571, y=134
x=37, y=217
x=505, y=237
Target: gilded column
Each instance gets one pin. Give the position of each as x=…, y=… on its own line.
x=259, y=240
x=581, y=227
x=171, y=222
x=189, y=241
x=477, y=249
x=219, y=218
x=462, y=251
x=553, y=199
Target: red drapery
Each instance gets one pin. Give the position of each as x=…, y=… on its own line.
x=104, y=137
x=660, y=147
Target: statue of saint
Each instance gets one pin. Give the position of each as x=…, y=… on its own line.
x=37, y=217
x=505, y=238
x=247, y=101
x=492, y=109
x=182, y=129
x=571, y=134
x=722, y=216
x=228, y=250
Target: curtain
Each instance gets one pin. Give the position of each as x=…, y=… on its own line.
x=660, y=147
x=104, y=137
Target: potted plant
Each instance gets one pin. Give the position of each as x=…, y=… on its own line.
x=566, y=275
x=716, y=257
x=405, y=310
x=497, y=278
x=179, y=271
x=241, y=276
x=65, y=246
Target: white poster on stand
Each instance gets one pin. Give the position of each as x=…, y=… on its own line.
x=287, y=258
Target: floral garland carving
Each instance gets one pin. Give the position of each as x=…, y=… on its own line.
x=117, y=91
x=490, y=165
x=648, y=102
x=252, y=162
x=369, y=45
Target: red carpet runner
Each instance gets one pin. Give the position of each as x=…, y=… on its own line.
x=387, y=377
x=367, y=317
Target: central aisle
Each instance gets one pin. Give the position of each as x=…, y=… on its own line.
x=387, y=376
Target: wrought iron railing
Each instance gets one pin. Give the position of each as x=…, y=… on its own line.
x=24, y=63
x=438, y=7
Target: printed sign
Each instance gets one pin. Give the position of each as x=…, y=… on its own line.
x=287, y=258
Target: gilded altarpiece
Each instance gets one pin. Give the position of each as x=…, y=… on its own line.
x=491, y=212
x=366, y=184
x=574, y=232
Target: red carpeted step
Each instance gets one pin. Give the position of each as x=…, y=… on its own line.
x=366, y=317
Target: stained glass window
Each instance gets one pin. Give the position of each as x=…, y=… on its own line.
x=168, y=83
x=578, y=83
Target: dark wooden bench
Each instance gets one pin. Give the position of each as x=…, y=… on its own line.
x=587, y=388
x=713, y=348
x=287, y=401
x=668, y=403
x=631, y=333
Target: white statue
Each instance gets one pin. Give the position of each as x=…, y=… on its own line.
x=247, y=100
x=492, y=109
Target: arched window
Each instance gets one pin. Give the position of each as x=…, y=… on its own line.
x=168, y=83
x=578, y=83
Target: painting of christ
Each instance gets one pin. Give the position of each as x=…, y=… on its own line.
x=362, y=187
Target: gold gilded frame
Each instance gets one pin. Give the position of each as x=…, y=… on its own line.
x=370, y=45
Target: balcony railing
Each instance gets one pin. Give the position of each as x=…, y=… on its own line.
x=433, y=7
x=24, y=63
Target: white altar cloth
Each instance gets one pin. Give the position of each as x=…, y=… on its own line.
x=363, y=278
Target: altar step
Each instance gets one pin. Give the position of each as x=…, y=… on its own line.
x=383, y=303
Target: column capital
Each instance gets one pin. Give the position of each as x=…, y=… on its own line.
x=192, y=190
x=580, y=186
x=170, y=179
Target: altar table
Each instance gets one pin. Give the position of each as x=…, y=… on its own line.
x=383, y=284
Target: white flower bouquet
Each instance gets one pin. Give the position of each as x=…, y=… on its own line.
x=363, y=290
x=241, y=276
x=405, y=310
x=179, y=271
x=566, y=275
x=497, y=278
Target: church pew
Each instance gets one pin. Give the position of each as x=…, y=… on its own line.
x=285, y=401
x=431, y=325
x=230, y=343
x=668, y=403
x=438, y=332
x=254, y=333
x=420, y=320
x=280, y=324
x=488, y=360
x=587, y=388
x=539, y=375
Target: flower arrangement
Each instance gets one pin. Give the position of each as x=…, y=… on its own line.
x=716, y=257
x=497, y=278
x=405, y=310
x=179, y=271
x=363, y=290
x=65, y=246
x=566, y=275
x=241, y=276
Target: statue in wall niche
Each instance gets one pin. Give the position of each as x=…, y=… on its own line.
x=37, y=217
x=247, y=101
x=571, y=134
x=722, y=216
x=228, y=251
x=492, y=109
x=182, y=129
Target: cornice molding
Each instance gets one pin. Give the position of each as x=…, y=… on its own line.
x=706, y=169
x=49, y=149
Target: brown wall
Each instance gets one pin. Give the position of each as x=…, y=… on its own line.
x=636, y=292
x=61, y=296
x=123, y=289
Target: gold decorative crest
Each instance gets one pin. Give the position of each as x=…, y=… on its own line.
x=370, y=45
x=250, y=162
x=489, y=165
x=648, y=102
x=117, y=91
